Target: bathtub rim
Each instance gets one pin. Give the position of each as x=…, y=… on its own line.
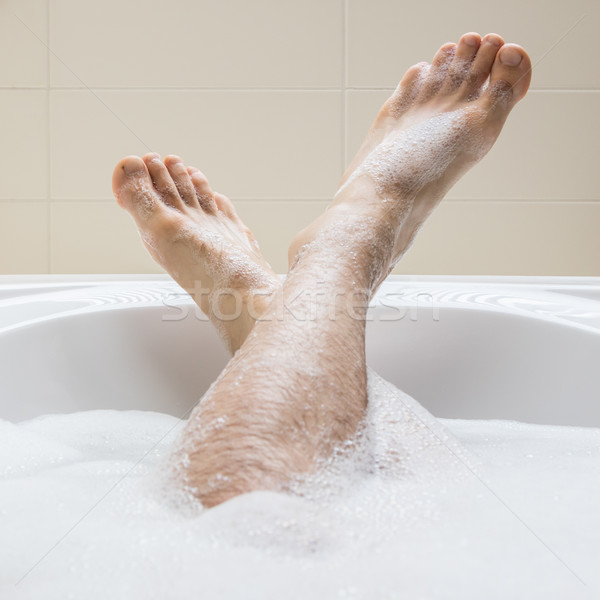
x=577, y=292
x=101, y=294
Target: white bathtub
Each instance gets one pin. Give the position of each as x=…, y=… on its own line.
x=509, y=348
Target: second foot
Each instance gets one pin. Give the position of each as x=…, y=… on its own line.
x=196, y=235
x=441, y=120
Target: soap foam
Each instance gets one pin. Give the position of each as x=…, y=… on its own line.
x=239, y=265
x=418, y=154
x=144, y=195
x=239, y=272
x=414, y=508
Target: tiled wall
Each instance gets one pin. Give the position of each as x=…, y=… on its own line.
x=270, y=98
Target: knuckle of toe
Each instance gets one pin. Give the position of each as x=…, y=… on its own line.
x=415, y=70
x=455, y=78
x=501, y=91
x=205, y=200
x=473, y=77
x=168, y=190
x=474, y=81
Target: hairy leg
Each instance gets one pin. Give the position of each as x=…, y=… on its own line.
x=297, y=387
x=296, y=390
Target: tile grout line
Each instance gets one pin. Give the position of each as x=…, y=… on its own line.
x=388, y=88
x=48, y=143
x=344, y=85
x=279, y=199
x=5, y=88
x=112, y=88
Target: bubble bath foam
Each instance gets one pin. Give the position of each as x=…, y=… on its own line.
x=415, y=507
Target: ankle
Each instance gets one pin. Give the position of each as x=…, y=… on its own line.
x=345, y=247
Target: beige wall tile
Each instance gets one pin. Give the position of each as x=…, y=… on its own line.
x=385, y=37
x=23, y=147
x=96, y=237
x=250, y=144
x=508, y=238
x=461, y=237
x=284, y=148
x=263, y=43
x=99, y=237
x=23, y=237
x=548, y=148
x=276, y=223
x=361, y=109
x=23, y=41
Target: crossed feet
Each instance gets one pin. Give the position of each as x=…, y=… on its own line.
x=442, y=119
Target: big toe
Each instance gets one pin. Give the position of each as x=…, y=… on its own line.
x=510, y=77
x=133, y=188
x=126, y=169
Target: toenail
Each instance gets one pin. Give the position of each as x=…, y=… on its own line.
x=493, y=40
x=151, y=157
x=470, y=40
x=511, y=57
x=132, y=167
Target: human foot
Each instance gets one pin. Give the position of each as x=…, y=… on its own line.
x=196, y=235
x=439, y=122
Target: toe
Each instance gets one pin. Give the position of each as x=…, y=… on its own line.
x=438, y=71
x=509, y=79
x=408, y=89
x=163, y=181
x=459, y=67
x=133, y=189
x=203, y=191
x=182, y=180
x=225, y=205
x=128, y=169
x=481, y=66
